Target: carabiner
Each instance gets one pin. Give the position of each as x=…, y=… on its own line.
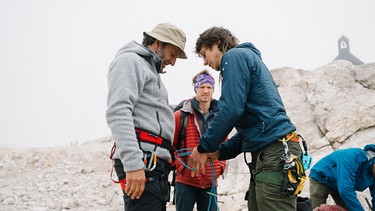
x=286, y=156
x=150, y=160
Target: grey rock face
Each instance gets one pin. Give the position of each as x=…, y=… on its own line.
x=332, y=106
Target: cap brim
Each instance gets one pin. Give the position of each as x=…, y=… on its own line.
x=163, y=39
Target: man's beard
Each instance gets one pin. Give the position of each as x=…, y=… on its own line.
x=160, y=54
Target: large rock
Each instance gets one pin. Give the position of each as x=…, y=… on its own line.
x=333, y=107
x=334, y=102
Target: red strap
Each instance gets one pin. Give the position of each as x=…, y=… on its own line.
x=113, y=150
x=110, y=156
x=123, y=183
x=145, y=136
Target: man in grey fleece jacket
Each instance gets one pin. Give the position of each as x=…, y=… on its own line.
x=138, y=99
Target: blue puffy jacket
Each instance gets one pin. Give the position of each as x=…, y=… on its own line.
x=347, y=171
x=250, y=102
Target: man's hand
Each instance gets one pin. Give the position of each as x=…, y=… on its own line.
x=135, y=183
x=214, y=155
x=197, y=161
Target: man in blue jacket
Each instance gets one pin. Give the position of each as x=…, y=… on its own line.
x=249, y=102
x=342, y=173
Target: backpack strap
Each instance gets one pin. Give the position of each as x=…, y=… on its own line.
x=182, y=134
x=183, y=116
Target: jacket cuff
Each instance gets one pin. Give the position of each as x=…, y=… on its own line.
x=201, y=149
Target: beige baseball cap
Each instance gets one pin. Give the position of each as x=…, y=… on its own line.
x=169, y=33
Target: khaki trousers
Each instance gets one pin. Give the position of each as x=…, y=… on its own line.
x=264, y=196
x=319, y=194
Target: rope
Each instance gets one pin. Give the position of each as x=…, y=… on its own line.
x=213, y=192
x=187, y=151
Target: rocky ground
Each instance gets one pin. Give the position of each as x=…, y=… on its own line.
x=333, y=107
x=78, y=178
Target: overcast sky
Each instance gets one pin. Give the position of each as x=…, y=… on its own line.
x=55, y=53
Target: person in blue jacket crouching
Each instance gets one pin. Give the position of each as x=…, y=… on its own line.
x=341, y=174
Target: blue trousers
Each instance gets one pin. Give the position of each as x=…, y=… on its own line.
x=187, y=196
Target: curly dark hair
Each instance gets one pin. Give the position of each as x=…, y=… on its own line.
x=224, y=39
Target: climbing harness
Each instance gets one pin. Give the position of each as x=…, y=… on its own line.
x=294, y=175
x=306, y=157
x=149, y=157
x=150, y=160
x=145, y=136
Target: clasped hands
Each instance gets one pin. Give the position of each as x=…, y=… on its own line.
x=198, y=161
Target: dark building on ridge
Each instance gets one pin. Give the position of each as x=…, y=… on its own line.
x=344, y=52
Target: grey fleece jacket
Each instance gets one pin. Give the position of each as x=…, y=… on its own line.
x=137, y=98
